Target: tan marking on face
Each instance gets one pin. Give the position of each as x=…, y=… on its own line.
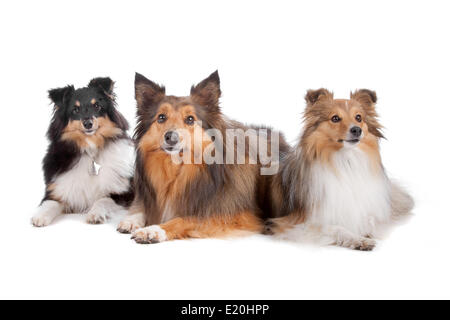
x=77, y=103
x=176, y=117
x=168, y=178
x=93, y=101
x=104, y=127
x=324, y=140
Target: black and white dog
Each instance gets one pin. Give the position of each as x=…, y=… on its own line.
x=90, y=160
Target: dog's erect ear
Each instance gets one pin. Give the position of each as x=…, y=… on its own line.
x=364, y=96
x=104, y=84
x=147, y=92
x=61, y=95
x=207, y=92
x=312, y=96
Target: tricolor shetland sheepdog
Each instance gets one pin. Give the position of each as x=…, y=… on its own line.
x=89, y=163
x=333, y=189
x=191, y=199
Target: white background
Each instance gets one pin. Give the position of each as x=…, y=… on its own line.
x=268, y=54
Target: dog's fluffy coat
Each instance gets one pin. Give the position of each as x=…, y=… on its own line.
x=179, y=201
x=333, y=189
x=71, y=185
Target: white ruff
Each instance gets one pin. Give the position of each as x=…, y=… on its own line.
x=79, y=189
x=355, y=196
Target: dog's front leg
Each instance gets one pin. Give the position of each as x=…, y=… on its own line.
x=178, y=228
x=340, y=236
x=134, y=220
x=192, y=227
x=102, y=210
x=307, y=232
x=47, y=212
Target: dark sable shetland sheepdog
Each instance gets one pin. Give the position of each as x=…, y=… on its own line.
x=333, y=188
x=178, y=200
x=89, y=162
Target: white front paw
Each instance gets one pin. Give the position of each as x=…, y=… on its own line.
x=152, y=234
x=128, y=226
x=41, y=219
x=361, y=244
x=97, y=217
x=366, y=244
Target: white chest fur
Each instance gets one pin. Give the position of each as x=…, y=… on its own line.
x=354, y=196
x=78, y=188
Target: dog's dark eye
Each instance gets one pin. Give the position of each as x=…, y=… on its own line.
x=190, y=120
x=358, y=118
x=76, y=111
x=335, y=119
x=98, y=107
x=162, y=118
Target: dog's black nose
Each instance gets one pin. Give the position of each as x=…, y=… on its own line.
x=87, y=124
x=171, y=138
x=356, y=131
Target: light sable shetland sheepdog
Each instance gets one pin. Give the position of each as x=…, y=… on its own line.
x=89, y=162
x=333, y=188
x=178, y=200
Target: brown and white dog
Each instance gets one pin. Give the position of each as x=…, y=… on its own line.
x=189, y=199
x=333, y=188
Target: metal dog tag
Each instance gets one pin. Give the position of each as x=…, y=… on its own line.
x=95, y=169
